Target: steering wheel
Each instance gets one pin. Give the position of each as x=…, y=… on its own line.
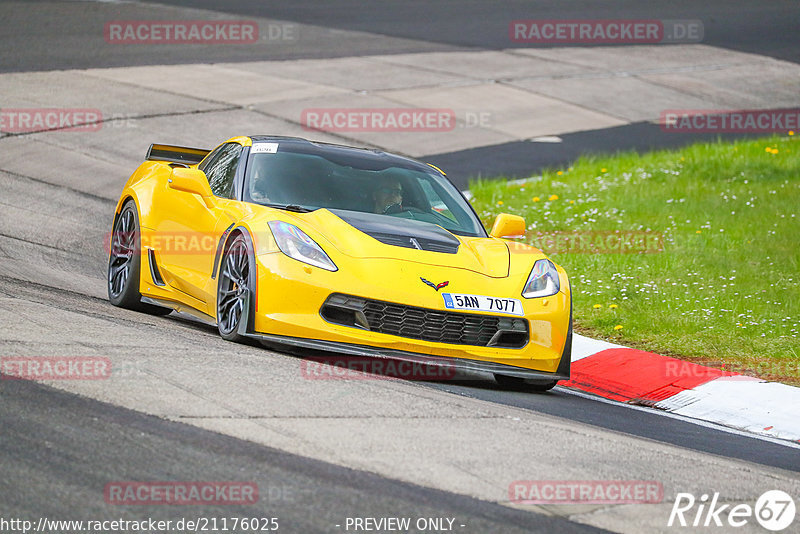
x=397, y=207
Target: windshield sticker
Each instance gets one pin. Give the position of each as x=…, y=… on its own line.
x=264, y=148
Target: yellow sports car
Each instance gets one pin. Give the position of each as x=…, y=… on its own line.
x=334, y=248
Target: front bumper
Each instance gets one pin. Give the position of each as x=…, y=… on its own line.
x=451, y=363
x=290, y=296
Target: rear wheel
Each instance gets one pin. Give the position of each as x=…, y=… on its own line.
x=235, y=288
x=124, y=263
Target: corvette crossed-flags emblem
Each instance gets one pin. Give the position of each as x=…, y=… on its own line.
x=437, y=287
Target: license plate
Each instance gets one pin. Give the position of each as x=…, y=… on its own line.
x=458, y=301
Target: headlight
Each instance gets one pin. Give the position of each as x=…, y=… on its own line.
x=543, y=280
x=297, y=245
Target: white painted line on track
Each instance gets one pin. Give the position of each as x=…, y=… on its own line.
x=752, y=405
x=583, y=346
x=698, y=422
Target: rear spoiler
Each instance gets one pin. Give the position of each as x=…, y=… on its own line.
x=176, y=154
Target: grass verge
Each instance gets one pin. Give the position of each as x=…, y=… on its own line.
x=693, y=253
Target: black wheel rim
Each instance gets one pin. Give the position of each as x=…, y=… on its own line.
x=123, y=247
x=233, y=286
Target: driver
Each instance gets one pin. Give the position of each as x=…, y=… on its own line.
x=259, y=185
x=388, y=196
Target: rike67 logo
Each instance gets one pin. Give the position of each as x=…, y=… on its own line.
x=774, y=510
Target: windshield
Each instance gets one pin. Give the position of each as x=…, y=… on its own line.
x=312, y=181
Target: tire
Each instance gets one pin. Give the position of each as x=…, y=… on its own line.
x=514, y=382
x=521, y=384
x=235, y=287
x=124, y=263
x=543, y=386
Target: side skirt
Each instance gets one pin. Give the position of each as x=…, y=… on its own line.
x=180, y=307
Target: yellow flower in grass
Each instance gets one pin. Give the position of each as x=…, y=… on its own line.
x=597, y=306
x=572, y=202
x=698, y=232
x=774, y=150
x=603, y=169
x=553, y=197
x=618, y=327
x=613, y=306
x=791, y=132
x=535, y=199
x=499, y=202
x=561, y=172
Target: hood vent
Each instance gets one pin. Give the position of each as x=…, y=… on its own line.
x=400, y=232
x=419, y=243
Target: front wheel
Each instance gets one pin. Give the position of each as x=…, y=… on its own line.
x=517, y=383
x=235, y=289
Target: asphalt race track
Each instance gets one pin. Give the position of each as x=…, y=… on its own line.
x=766, y=29
x=60, y=474
x=184, y=405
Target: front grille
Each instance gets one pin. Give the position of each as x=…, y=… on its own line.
x=425, y=324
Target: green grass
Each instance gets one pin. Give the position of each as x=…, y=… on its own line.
x=725, y=289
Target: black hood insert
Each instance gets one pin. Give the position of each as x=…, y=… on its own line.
x=400, y=232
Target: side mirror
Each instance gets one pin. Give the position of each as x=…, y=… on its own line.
x=190, y=181
x=506, y=225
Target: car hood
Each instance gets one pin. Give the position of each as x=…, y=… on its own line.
x=366, y=235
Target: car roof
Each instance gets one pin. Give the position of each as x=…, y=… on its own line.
x=343, y=153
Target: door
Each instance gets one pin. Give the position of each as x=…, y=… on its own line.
x=190, y=226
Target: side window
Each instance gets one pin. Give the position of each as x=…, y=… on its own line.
x=209, y=158
x=220, y=168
